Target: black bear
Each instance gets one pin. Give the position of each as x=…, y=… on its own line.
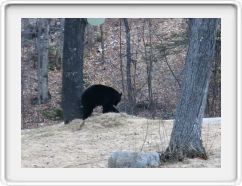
x=99, y=95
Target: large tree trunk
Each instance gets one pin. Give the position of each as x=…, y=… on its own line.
x=186, y=138
x=72, y=79
x=43, y=44
x=128, y=68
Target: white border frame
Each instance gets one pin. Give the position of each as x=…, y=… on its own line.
x=235, y=3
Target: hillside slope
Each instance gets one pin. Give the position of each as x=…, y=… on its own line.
x=67, y=146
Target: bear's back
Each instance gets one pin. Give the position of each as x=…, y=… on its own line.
x=96, y=93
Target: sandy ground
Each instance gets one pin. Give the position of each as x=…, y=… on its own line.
x=67, y=146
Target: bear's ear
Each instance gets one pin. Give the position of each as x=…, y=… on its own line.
x=120, y=94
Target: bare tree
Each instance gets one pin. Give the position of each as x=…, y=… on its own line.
x=102, y=44
x=89, y=38
x=72, y=78
x=148, y=57
x=43, y=47
x=186, y=138
x=150, y=70
x=214, y=93
x=128, y=68
x=121, y=56
x=60, y=41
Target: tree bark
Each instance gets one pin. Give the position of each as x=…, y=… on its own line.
x=150, y=71
x=102, y=44
x=214, y=93
x=121, y=57
x=128, y=68
x=61, y=41
x=72, y=79
x=43, y=44
x=186, y=138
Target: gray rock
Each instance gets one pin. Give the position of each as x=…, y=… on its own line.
x=125, y=159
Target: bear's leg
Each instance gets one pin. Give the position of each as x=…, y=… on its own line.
x=105, y=109
x=86, y=112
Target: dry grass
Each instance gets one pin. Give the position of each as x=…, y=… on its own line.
x=67, y=146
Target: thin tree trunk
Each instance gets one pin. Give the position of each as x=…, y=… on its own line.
x=35, y=61
x=149, y=67
x=90, y=36
x=149, y=72
x=172, y=72
x=61, y=42
x=128, y=67
x=72, y=78
x=211, y=111
x=102, y=44
x=43, y=44
x=216, y=87
x=134, y=74
x=186, y=138
x=121, y=57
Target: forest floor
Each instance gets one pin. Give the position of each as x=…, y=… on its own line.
x=67, y=146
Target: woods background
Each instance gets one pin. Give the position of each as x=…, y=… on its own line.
x=158, y=50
